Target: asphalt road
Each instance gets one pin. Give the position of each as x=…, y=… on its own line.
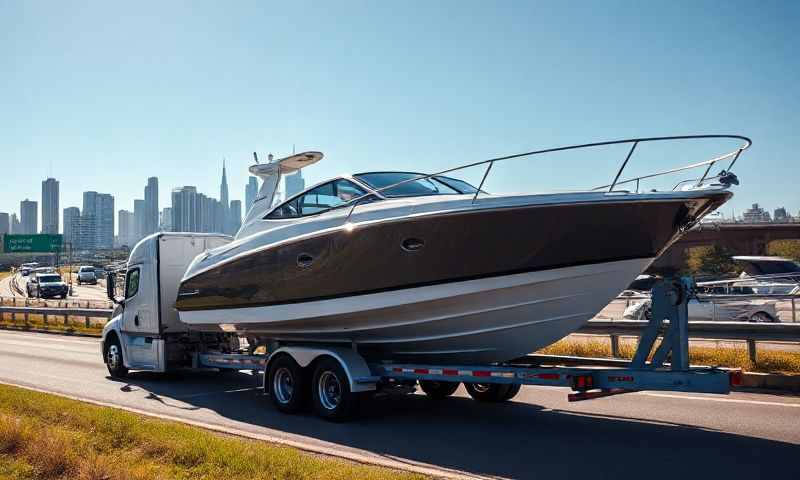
x=538, y=435
x=96, y=294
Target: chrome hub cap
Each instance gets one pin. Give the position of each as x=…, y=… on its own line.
x=481, y=387
x=283, y=385
x=330, y=390
x=113, y=357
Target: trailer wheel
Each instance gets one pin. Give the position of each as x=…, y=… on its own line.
x=488, y=392
x=438, y=390
x=113, y=359
x=287, y=385
x=512, y=392
x=330, y=392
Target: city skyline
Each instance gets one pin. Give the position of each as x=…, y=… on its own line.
x=35, y=212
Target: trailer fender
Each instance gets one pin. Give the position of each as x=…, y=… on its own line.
x=358, y=373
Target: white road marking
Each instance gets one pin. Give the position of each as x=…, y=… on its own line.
x=726, y=400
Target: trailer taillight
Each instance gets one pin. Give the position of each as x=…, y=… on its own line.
x=736, y=377
x=582, y=382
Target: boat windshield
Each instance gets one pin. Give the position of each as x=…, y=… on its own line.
x=421, y=186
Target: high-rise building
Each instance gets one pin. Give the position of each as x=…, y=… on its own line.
x=71, y=214
x=50, y=208
x=295, y=184
x=16, y=227
x=29, y=219
x=250, y=193
x=184, y=209
x=781, y=215
x=100, y=206
x=5, y=223
x=223, y=197
x=165, y=224
x=151, y=206
x=139, y=213
x=756, y=214
x=127, y=226
x=235, y=216
x=84, y=233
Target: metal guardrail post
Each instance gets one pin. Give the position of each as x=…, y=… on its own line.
x=794, y=312
x=615, y=346
x=751, y=351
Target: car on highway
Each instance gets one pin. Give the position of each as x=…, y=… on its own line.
x=86, y=274
x=709, y=309
x=47, y=285
x=26, y=268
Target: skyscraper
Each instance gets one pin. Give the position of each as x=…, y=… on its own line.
x=29, y=219
x=16, y=227
x=295, y=184
x=139, y=221
x=100, y=206
x=250, y=192
x=151, y=206
x=84, y=233
x=166, y=220
x=71, y=215
x=235, y=216
x=5, y=223
x=184, y=209
x=223, y=198
x=127, y=226
x=50, y=208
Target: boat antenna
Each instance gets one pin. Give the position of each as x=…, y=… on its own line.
x=255, y=157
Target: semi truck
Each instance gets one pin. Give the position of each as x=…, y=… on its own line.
x=145, y=333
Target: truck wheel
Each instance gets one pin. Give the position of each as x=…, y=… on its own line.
x=438, y=390
x=287, y=385
x=113, y=358
x=330, y=392
x=488, y=392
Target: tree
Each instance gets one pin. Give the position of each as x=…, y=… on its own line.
x=785, y=248
x=710, y=260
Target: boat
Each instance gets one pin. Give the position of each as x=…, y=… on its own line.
x=427, y=267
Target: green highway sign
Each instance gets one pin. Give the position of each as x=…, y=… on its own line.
x=32, y=243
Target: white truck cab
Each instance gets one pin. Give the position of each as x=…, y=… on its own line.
x=145, y=324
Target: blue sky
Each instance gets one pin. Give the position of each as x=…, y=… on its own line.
x=110, y=93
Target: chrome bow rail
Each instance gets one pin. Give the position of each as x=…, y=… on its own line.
x=616, y=182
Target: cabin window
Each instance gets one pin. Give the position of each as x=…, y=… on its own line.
x=132, y=283
x=320, y=199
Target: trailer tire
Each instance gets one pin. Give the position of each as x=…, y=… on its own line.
x=437, y=390
x=512, y=392
x=488, y=392
x=113, y=359
x=287, y=385
x=330, y=392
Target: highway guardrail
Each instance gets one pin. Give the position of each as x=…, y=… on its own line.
x=48, y=312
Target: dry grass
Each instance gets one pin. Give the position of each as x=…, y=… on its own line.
x=49, y=437
x=54, y=324
x=768, y=361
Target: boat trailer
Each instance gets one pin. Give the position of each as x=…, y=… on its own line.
x=669, y=321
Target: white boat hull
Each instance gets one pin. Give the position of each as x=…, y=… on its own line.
x=486, y=320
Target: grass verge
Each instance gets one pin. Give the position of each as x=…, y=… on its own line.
x=768, y=361
x=54, y=324
x=44, y=436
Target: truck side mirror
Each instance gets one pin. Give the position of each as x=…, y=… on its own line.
x=111, y=286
